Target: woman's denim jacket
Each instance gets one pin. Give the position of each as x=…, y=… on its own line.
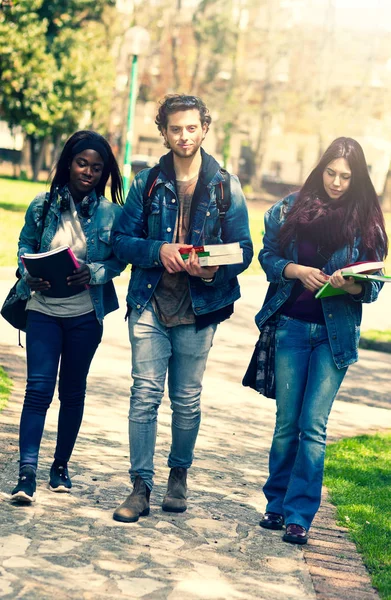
x=138, y=239
x=342, y=314
x=97, y=228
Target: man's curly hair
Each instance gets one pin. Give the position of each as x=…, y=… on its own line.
x=173, y=103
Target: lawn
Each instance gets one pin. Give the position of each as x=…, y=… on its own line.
x=16, y=196
x=14, y=199
x=358, y=478
x=5, y=388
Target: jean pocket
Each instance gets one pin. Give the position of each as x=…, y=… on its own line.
x=283, y=321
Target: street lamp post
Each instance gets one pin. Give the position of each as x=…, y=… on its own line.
x=137, y=40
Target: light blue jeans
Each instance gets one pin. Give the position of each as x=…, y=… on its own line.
x=307, y=382
x=181, y=352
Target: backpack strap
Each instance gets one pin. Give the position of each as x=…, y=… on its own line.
x=223, y=194
x=46, y=205
x=149, y=187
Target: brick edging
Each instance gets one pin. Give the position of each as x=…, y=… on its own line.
x=335, y=566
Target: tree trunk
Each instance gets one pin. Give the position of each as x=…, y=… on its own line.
x=38, y=147
x=56, y=147
x=174, y=47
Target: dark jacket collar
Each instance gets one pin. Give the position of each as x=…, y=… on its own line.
x=209, y=167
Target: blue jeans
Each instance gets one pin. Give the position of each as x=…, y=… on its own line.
x=307, y=382
x=75, y=340
x=182, y=352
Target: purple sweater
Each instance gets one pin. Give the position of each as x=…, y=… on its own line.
x=302, y=303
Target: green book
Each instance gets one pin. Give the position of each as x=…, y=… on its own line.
x=186, y=256
x=326, y=291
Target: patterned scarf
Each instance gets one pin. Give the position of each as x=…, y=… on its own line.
x=323, y=223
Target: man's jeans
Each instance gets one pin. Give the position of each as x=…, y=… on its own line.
x=75, y=340
x=307, y=382
x=156, y=349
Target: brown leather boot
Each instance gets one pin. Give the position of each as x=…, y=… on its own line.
x=175, y=498
x=136, y=504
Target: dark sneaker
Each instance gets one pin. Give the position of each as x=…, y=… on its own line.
x=59, y=479
x=24, y=492
x=272, y=520
x=295, y=534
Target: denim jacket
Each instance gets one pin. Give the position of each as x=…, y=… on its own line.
x=342, y=314
x=97, y=228
x=138, y=237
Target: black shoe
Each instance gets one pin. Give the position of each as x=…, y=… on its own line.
x=295, y=534
x=59, y=479
x=25, y=490
x=272, y=520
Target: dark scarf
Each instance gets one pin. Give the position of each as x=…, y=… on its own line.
x=323, y=223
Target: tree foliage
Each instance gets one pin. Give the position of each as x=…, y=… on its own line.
x=56, y=71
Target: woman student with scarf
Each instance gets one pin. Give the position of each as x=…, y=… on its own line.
x=334, y=220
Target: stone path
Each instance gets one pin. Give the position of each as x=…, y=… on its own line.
x=68, y=547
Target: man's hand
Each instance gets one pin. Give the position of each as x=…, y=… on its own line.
x=81, y=276
x=345, y=283
x=36, y=284
x=171, y=257
x=192, y=266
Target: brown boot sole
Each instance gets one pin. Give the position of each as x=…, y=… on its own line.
x=166, y=508
x=122, y=519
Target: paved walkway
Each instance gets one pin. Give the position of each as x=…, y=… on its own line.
x=68, y=547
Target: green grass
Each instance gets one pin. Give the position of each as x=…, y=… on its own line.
x=5, y=388
x=377, y=335
x=16, y=196
x=358, y=478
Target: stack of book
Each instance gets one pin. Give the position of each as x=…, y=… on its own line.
x=360, y=271
x=213, y=255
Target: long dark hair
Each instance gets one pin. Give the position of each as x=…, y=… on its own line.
x=363, y=213
x=110, y=169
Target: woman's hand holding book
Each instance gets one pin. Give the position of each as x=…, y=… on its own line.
x=81, y=276
x=36, y=284
x=348, y=284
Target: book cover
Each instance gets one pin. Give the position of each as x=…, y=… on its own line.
x=54, y=266
x=366, y=266
x=327, y=290
x=213, y=249
x=221, y=259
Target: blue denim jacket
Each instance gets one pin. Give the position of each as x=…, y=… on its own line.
x=139, y=237
x=97, y=228
x=342, y=313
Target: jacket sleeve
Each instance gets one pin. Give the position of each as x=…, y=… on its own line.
x=30, y=234
x=235, y=228
x=129, y=238
x=105, y=270
x=270, y=255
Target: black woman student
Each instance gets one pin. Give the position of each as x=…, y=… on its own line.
x=67, y=331
x=333, y=221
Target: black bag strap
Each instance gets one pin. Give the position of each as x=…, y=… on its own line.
x=223, y=194
x=149, y=187
x=46, y=205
